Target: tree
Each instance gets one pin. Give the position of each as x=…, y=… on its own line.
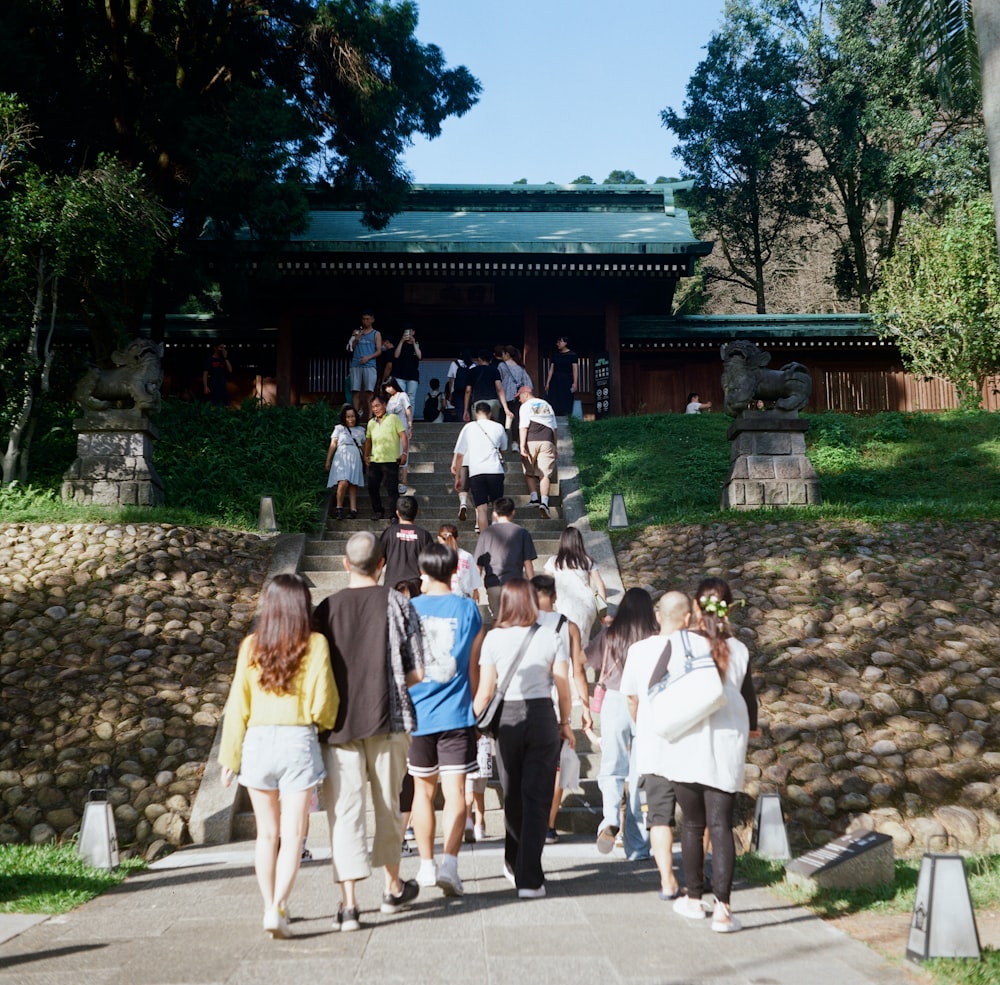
x=940, y=299
x=622, y=178
x=79, y=245
x=873, y=118
x=961, y=40
x=226, y=105
x=584, y=179
x=753, y=183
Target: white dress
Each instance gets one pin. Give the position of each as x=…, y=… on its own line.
x=574, y=596
x=347, y=463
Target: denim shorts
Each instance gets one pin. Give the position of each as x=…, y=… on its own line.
x=281, y=757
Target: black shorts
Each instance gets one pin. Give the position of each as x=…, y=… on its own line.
x=486, y=488
x=451, y=751
x=660, y=800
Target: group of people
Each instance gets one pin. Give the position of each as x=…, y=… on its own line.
x=379, y=686
x=376, y=685
x=500, y=408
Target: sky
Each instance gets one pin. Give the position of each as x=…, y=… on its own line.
x=570, y=87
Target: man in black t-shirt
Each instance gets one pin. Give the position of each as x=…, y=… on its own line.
x=483, y=383
x=402, y=543
x=377, y=653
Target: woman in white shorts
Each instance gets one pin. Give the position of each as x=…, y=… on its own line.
x=282, y=692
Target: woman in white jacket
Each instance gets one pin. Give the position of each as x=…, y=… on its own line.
x=706, y=764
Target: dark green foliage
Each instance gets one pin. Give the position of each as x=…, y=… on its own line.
x=217, y=462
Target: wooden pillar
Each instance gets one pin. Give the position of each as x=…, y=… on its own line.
x=612, y=339
x=532, y=352
x=283, y=368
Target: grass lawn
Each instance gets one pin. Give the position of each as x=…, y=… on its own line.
x=52, y=879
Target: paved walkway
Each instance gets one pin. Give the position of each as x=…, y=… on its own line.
x=195, y=917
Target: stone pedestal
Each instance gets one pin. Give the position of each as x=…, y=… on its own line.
x=114, y=463
x=769, y=463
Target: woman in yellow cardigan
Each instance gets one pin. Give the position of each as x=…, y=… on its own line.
x=283, y=692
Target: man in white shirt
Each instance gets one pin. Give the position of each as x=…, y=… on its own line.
x=673, y=611
x=480, y=446
x=537, y=435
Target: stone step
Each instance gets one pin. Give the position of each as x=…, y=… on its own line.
x=577, y=814
x=318, y=552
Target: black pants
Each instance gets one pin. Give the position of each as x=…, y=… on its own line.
x=707, y=807
x=528, y=754
x=379, y=472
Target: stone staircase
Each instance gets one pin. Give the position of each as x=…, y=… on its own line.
x=430, y=478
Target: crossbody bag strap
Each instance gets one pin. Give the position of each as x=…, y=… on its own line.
x=662, y=665
x=509, y=676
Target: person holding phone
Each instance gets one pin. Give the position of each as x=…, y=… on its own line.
x=365, y=346
x=406, y=362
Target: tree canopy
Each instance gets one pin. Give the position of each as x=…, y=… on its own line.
x=753, y=182
x=940, y=298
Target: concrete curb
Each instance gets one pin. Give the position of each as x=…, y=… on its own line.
x=597, y=543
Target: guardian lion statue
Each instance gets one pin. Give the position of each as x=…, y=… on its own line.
x=746, y=381
x=137, y=376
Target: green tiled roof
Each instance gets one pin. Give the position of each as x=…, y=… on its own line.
x=724, y=327
x=564, y=220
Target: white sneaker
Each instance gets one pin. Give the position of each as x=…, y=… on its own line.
x=447, y=878
x=531, y=893
x=723, y=921
x=690, y=908
x=470, y=832
x=276, y=924
x=508, y=874
x=427, y=874
x=479, y=832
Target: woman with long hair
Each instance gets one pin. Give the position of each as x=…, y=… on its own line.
x=577, y=579
x=283, y=691
x=706, y=764
x=345, y=455
x=634, y=621
x=529, y=739
x=397, y=401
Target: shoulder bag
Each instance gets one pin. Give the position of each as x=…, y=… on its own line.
x=488, y=720
x=685, y=698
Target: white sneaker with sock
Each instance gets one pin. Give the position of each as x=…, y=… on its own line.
x=427, y=874
x=447, y=877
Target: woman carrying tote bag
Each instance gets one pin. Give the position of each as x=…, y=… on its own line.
x=529, y=738
x=706, y=764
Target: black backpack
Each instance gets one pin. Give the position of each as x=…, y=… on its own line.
x=432, y=406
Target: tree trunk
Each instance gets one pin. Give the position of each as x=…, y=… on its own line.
x=9, y=463
x=986, y=15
